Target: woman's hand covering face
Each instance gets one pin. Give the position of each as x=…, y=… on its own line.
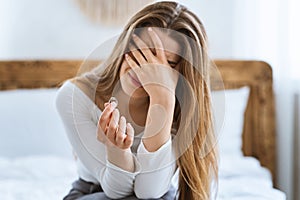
x=153, y=71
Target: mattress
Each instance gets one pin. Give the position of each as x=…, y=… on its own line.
x=244, y=178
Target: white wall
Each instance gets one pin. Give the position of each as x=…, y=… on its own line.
x=47, y=29
x=57, y=28
x=217, y=17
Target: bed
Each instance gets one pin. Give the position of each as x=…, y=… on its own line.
x=36, y=160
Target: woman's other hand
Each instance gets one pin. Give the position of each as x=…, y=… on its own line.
x=113, y=129
x=153, y=71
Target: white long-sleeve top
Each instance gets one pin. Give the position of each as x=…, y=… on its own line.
x=153, y=170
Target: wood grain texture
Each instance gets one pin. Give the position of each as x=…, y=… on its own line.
x=259, y=139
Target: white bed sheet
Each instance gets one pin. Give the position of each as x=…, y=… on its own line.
x=243, y=178
x=36, y=177
x=50, y=177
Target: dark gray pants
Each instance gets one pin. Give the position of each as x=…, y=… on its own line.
x=83, y=190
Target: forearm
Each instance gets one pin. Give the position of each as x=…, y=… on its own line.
x=159, y=122
x=121, y=158
x=117, y=178
x=92, y=154
x=159, y=165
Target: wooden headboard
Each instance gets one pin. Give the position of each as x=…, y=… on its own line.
x=259, y=125
x=259, y=134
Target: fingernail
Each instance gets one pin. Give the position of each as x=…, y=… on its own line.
x=134, y=35
x=149, y=29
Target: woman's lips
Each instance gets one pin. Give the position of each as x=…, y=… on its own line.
x=134, y=80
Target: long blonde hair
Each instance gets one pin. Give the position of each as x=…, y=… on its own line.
x=193, y=117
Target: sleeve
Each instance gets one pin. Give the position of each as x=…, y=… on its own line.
x=75, y=110
x=157, y=168
x=83, y=173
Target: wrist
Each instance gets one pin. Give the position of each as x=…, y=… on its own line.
x=121, y=158
x=167, y=98
x=161, y=91
x=112, y=151
x=167, y=102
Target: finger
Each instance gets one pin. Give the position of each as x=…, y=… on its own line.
x=159, y=48
x=100, y=136
x=130, y=61
x=133, y=65
x=113, y=126
x=129, y=136
x=120, y=136
x=105, y=116
x=138, y=56
x=143, y=47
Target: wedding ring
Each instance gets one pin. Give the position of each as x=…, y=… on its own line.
x=113, y=99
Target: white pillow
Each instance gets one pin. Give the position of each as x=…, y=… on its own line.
x=230, y=128
x=30, y=124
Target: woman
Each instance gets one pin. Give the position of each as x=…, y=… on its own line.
x=161, y=124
